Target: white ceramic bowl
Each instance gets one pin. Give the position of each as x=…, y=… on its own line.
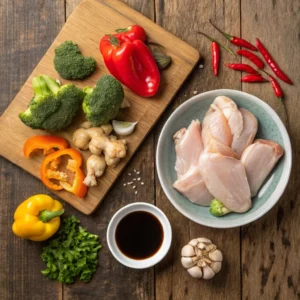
x=270, y=127
x=141, y=263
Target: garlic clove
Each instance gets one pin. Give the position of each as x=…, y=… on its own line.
x=216, y=255
x=187, y=262
x=123, y=128
x=201, y=246
x=216, y=266
x=204, y=240
x=195, y=272
x=193, y=242
x=188, y=250
x=208, y=273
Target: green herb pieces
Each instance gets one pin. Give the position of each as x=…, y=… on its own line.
x=72, y=252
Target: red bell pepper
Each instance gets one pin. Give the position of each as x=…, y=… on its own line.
x=132, y=33
x=132, y=63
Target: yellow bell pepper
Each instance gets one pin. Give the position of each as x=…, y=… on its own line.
x=37, y=218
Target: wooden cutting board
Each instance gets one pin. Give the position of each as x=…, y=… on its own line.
x=88, y=23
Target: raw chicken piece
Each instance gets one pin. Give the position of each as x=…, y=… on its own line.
x=215, y=126
x=192, y=186
x=232, y=114
x=248, y=133
x=188, y=147
x=215, y=146
x=226, y=180
x=259, y=159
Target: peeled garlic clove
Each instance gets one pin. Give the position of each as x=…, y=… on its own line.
x=188, y=250
x=208, y=273
x=195, y=272
x=187, y=262
x=123, y=128
x=216, y=255
x=216, y=266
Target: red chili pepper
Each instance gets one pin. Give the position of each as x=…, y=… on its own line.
x=215, y=50
x=254, y=58
x=132, y=32
x=275, y=85
x=215, y=41
x=270, y=61
x=253, y=78
x=132, y=63
x=235, y=40
x=242, y=67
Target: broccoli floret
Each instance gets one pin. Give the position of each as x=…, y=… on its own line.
x=53, y=106
x=217, y=208
x=71, y=64
x=102, y=103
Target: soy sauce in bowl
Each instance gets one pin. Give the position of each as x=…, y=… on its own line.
x=139, y=235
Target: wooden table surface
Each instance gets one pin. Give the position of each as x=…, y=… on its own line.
x=261, y=259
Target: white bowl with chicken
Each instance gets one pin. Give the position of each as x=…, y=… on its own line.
x=224, y=158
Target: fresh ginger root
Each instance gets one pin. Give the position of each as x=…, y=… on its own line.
x=98, y=141
x=95, y=168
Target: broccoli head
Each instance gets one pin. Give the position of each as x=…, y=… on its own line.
x=71, y=64
x=102, y=103
x=53, y=106
x=217, y=208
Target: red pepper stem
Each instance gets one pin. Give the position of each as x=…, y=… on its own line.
x=265, y=72
x=113, y=40
x=214, y=40
x=228, y=36
x=123, y=29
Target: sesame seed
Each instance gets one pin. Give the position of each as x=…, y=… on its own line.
x=195, y=92
x=129, y=174
x=201, y=66
x=129, y=182
x=142, y=183
x=134, y=187
x=139, y=179
x=135, y=192
x=134, y=170
x=138, y=172
x=134, y=179
x=124, y=184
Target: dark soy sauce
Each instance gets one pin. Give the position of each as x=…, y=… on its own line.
x=139, y=235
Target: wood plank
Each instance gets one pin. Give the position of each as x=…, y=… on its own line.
x=112, y=280
x=270, y=256
x=172, y=281
x=26, y=34
x=90, y=21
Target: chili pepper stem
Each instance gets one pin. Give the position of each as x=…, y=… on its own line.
x=228, y=36
x=286, y=119
x=46, y=215
x=214, y=40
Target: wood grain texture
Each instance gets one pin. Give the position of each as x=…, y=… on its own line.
x=25, y=35
x=270, y=246
x=172, y=281
x=89, y=22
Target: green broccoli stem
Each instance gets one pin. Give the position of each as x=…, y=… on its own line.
x=39, y=86
x=218, y=209
x=52, y=85
x=88, y=90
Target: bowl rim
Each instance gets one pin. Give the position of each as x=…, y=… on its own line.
x=284, y=179
x=141, y=263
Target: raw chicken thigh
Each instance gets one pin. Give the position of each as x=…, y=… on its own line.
x=259, y=159
x=188, y=146
x=248, y=133
x=225, y=178
x=232, y=114
x=192, y=186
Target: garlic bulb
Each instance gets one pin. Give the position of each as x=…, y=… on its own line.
x=201, y=258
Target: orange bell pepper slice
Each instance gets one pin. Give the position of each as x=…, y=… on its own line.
x=50, y=171
x=47, y=143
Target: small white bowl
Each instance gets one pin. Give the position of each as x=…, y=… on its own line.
x=141, y=263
